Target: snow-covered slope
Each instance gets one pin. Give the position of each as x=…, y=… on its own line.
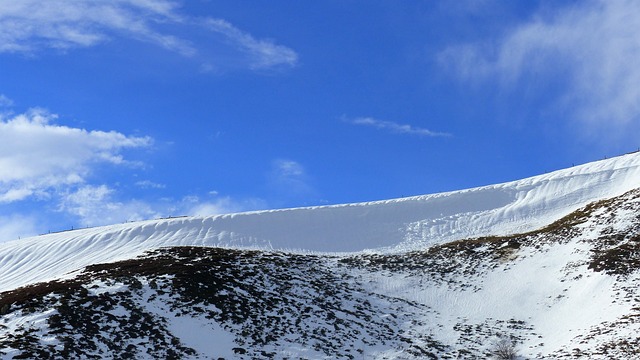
x=409, y=278
x=384, y=226
x=570, y=290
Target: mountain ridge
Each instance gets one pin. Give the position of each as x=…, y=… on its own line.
x=397, y=225
x=568, y=290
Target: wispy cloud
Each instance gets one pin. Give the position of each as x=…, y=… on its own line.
x=15, y=226
x=95, y=205
x=289, y=181
x=288, y=170
x=394, y=127
x=29, y=26
x=196, y=206
x=38, y=156
x=263, y=53
x=5, y=101
x=148, y=184
x=592, y=46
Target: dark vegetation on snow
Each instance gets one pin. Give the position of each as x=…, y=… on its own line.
x=271, y=299
x=622, y=257
x=265, y=299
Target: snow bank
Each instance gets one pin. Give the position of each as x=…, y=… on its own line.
x=389, y=226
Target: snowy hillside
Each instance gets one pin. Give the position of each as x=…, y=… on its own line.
x=389, y=226
x=569, y=290
x=550, y=263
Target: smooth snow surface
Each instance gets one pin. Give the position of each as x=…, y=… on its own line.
x=384, y=226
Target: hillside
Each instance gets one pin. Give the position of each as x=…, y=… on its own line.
x=552, y=267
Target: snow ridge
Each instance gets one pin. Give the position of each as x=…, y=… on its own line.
x=391, y=226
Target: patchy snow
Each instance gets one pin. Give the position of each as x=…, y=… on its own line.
x=200, y=333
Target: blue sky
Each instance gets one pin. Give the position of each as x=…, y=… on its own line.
x=114, y=111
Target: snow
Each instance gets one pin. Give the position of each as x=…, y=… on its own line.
x=196, y=332
x=543, y=293
x=383, y=226
x=538, y=288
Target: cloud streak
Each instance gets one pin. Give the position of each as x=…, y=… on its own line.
x=394, y=127
x=264, y=54
x=30, y=26
x=593, y=47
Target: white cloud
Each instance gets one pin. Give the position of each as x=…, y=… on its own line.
x=220, y=205
x=38, y=156
x=95, y=205
x=29, y=26
x=593, y=46
x=52, y=164
x=16, y=226
x=394, y=127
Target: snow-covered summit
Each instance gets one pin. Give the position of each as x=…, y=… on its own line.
x=382, y=226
